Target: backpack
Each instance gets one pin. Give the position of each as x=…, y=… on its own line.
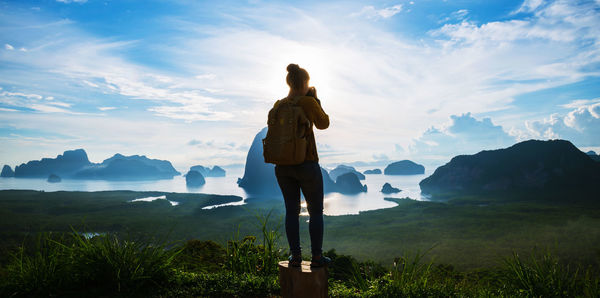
x=286, y=141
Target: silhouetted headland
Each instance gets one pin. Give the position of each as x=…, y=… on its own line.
x=539, y=166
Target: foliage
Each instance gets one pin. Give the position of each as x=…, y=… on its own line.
x=247, y=256
x=202, y=256
x=487, y=243
x=542, y=275
x=97, y=264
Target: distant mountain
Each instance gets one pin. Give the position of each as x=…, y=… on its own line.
x=404, y=167
x=194, y=179
x=7, y=171
x=527, y=166
x=64, y=165
x=216, y=171
x=372, y=172
x=75, y=164
x=593, y=155
x=343, y=169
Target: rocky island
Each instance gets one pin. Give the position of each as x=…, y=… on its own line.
x=259, y=177
x=194, y=179
x=372, y=172
x=389, y=189
x=535, y=166
x=216, y=171
x=75, y=164
x=404, y=167
x=7, y=171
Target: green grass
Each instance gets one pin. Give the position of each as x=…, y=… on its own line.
x=474, y=240
x=73, y=265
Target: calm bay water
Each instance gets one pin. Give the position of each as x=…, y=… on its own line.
x=335, y=203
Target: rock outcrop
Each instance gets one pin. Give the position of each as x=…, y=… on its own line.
x=64, y=165
x=537, y=166
x=343, y=169
x=592, y=154
x=194, y=179
x=7, y=171
x=75, y=164
x=259, y=177
x=349, y=183
x=134, y=167
x=404, y=167
x=388, y=189
x=372, y=172
x=328, y=183
x=216, y=171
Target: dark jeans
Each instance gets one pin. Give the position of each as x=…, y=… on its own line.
x=306, y=177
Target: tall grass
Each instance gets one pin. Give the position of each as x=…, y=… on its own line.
x=246, y=255
x=541, y=274
x=116, y=264
x=102, y=264
x=38, y=270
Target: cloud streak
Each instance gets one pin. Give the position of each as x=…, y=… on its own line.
x=382, y=89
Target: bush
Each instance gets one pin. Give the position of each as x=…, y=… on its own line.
x=202, y=256
x=542, y=275
x=102, y=264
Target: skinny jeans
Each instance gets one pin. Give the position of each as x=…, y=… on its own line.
x=305, y=177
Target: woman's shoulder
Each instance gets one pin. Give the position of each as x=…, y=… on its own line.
x=308, y=100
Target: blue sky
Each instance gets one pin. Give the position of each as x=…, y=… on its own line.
x=192, y=81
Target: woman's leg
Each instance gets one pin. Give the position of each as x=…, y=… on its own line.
x=290, y=189
x=311, y=183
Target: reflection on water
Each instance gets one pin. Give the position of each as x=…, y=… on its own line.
x=335, y=203
x=150, y=199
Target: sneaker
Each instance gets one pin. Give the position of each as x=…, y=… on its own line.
x=319, y=261
x=295, y=261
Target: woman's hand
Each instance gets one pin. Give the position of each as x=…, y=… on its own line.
x=312, y=91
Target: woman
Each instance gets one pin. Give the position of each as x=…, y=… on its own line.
x=305, y=176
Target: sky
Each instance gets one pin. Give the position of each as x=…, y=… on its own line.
x=192, y=81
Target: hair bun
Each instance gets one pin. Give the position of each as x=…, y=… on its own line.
x=293, y=67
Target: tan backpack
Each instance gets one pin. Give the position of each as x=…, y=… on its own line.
x=286, y=141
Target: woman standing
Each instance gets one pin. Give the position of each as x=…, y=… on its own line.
x=305, y=177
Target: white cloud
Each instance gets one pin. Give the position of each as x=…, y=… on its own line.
x=368, y=78
x=61, y=104
x=206, y=76
x=8, y=110
x=106, y=108
x=579, y=103
x=455, y=16
x=460, y=14
x=76, y=56
x=91, y=84
x=529, y=6
x=71, y=1
x=580, y=126
x=48, y=108
x=8, y=47
x=464, y=134
x=21, y=94
x=385, y=13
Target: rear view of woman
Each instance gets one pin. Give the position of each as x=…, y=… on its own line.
x=305, y=176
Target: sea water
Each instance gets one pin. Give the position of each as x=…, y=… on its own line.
x=334, y=203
